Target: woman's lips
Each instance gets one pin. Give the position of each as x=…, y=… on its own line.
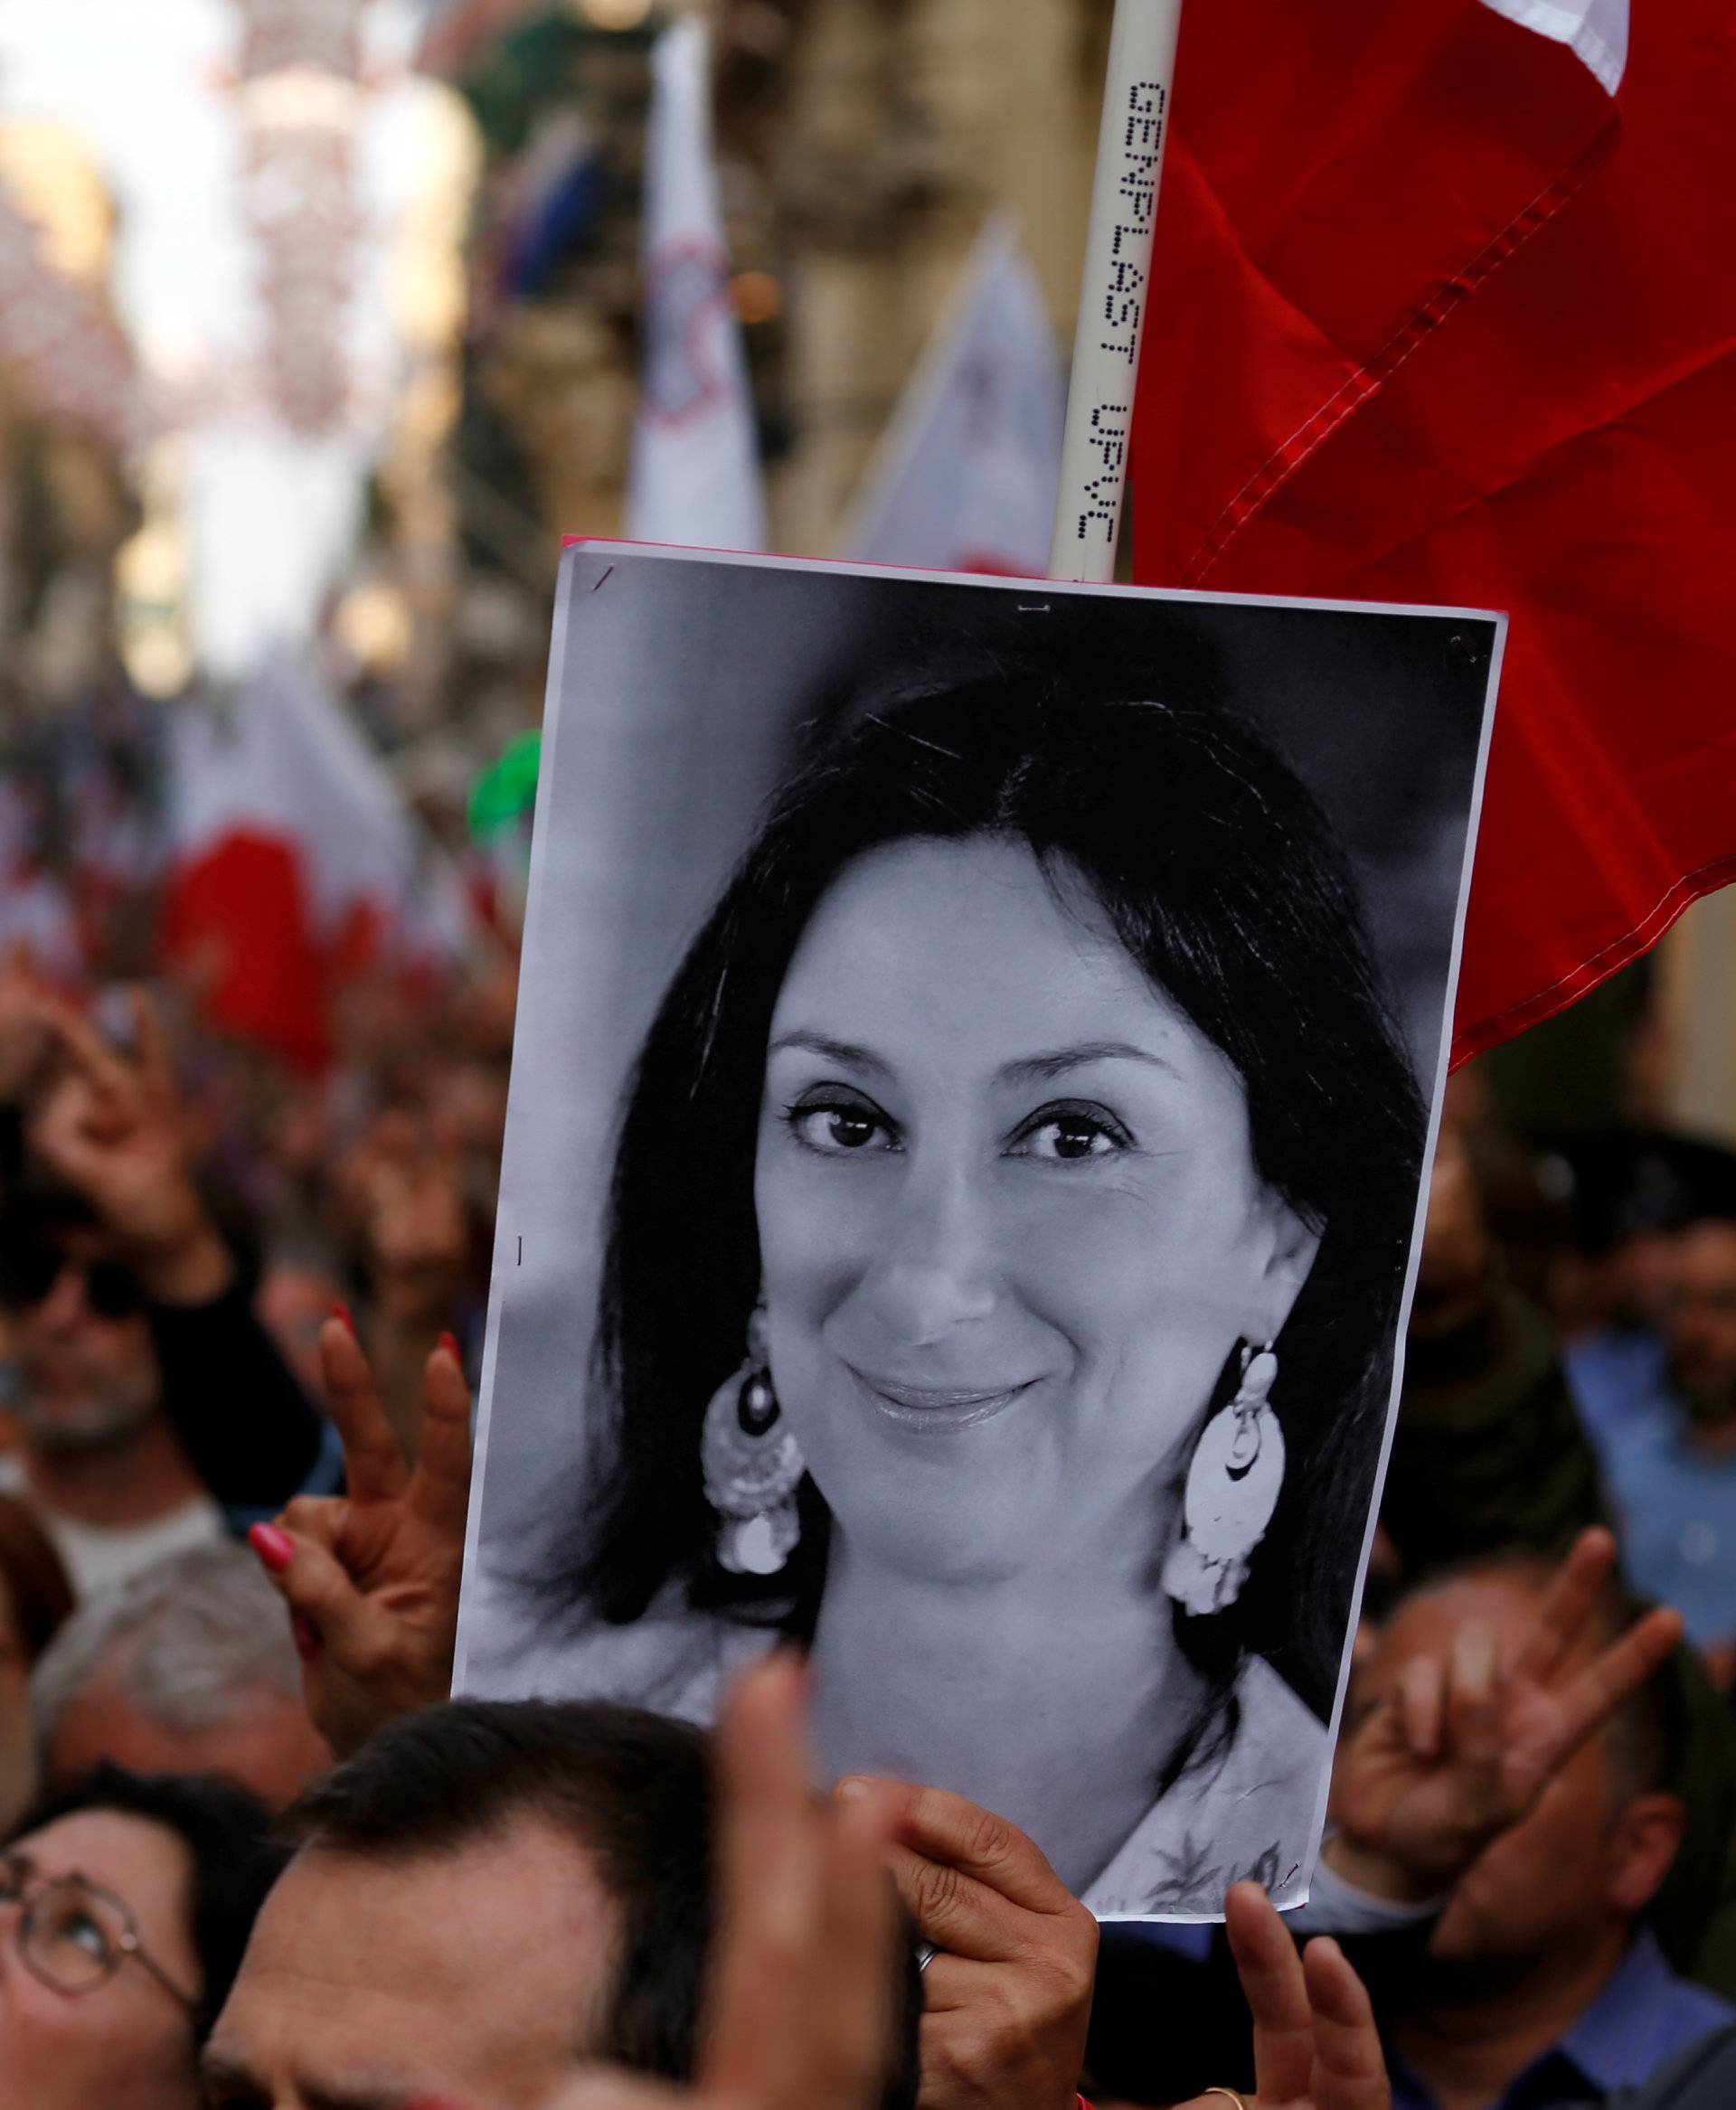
x=936, y=1409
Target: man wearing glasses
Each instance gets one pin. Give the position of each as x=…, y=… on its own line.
x=98, y=1463
x=146, y=1392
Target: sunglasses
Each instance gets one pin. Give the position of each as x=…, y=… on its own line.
x=28, y=1275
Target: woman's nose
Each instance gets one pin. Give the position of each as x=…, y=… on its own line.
x=936, y=1267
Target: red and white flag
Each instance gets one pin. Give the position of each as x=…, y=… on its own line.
x=1442, y=312
x=967, y=475
x=291, y=855
x=696, y=473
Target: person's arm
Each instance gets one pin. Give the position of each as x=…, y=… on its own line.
x=249, y=1431
x=111, y=1126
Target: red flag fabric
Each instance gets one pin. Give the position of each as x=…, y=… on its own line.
x=291, y=858
x=237, y=924
x=1435, y=318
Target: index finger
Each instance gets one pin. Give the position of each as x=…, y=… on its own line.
x=374, y=1464
x=801, y=1991
x=1567, y=1605
x=1606, y=1684
x=959, y=1834
x=766, y=1842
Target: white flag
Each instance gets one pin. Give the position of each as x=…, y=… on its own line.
x=966, y=477
x=695, y=474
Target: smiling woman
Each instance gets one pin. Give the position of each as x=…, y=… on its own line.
x=1009, y=1222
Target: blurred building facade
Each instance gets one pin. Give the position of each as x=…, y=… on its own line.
x=863, y=144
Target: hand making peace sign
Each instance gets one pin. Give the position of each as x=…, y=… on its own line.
x=371, y=1577
x=1462, y=1746
x=111, y=1124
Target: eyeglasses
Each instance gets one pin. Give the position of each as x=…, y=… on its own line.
x=28, y=1275
x=72, y=1934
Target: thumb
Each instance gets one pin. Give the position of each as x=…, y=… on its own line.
x=311, y=1580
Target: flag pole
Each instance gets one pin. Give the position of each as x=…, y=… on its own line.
x=1113, y=299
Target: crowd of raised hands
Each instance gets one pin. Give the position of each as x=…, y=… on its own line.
x=1455, y=1754
x=392, y=1192
x=818, y=1896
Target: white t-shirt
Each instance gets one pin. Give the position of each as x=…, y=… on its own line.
x=98, y=1555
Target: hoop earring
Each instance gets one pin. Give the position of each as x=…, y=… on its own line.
x=752, y=1466
x=1232, y=1489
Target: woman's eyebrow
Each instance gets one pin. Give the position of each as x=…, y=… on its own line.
x=1043, y=1069
x=841, y=1052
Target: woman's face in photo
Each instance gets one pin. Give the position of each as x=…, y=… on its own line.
x=1009, y=1218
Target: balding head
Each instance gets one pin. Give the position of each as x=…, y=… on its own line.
x=1578, y=1870
x=187, y=1668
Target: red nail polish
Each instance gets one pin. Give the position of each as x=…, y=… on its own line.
x=276, y=1549
x=449, y=1342
x=345, y=1318
x=306, y=1640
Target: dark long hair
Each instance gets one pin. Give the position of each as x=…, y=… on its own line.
x=1220, y=875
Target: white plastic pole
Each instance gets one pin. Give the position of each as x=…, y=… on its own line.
x=1117, y=284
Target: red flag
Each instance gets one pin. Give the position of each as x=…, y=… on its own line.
x=1436, y=318
x=291, y=858
x=236, y=922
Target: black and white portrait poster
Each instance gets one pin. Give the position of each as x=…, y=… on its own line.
x=978, y=1056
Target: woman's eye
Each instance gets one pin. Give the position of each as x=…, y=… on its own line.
x=1069, y=1138
x=837, y=1127
x=78, y=1930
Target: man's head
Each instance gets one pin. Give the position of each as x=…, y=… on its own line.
x=187, y=1668
x=1588, y=1859
x=484, y=1897
x=1700, y=1320
x=87, y=1365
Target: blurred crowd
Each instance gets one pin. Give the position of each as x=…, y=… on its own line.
x=256, y=1856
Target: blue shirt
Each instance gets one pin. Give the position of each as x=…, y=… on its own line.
x=1677, y=1509
x=1644, y=2015
x=1618, y=1379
